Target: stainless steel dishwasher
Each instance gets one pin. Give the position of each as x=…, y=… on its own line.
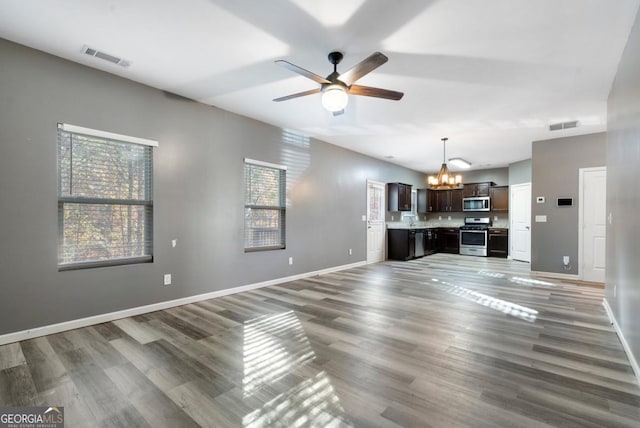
x=419, y=246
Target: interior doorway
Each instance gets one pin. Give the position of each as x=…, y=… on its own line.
x=592, y=223
x=375, y=221
x=520, y=224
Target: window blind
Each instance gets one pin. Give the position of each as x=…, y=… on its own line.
x=105, y=200
x=265, y=206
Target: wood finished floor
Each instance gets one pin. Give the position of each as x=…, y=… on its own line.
x=440, y=341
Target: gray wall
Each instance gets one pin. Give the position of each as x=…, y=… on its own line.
x=500, y=176
x=622, y=289
x=198, y=193
x=555, y=164
x=520, y=172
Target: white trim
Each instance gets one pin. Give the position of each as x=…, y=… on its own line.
x=106, y=134
x=97, y=319
x=555, y=275
x=581, y=172
x=267, y=164
x=625, y=345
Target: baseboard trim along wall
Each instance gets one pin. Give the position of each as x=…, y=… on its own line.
x=98, y=319
x=556, y=275
x=625, y=345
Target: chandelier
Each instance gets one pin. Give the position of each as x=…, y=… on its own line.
x=444, y=179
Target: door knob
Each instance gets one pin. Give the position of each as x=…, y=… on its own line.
x=526, y=227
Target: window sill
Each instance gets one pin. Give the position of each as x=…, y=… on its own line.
x=104, y=263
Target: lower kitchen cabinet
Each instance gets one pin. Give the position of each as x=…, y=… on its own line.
x=430, y=241
x=449, y=240
x=406, y=244
x=498, y=243
x=400, y=244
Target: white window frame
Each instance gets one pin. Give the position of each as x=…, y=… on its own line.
x=281, y=207
x=147, y=202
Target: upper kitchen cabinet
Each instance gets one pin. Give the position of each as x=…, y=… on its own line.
x=398, y=197
x=499, y=198
x=476, y=189
x=431, y=201
x=448, y=200
x=426, y=201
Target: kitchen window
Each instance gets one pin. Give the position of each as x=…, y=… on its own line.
x=105, y=198
x=264, y=205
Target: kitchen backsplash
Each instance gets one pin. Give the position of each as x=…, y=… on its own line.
x=446, y=219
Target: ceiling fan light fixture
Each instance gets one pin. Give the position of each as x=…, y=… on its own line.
x=334, y=98
x=460, y=163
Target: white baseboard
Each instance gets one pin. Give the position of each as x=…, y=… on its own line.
x=556, y=275
x=625, y=345
x=98, y=319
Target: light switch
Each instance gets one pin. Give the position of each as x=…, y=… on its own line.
x=541, y=219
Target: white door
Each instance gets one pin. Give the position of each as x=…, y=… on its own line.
x=593, y=213
x=375, y=221
x=520, y=228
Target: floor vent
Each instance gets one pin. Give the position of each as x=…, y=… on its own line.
x=563, y=125
x=105, y=56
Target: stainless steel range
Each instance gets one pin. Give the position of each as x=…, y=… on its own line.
x=473, y=236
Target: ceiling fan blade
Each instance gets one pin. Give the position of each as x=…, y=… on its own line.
x=369, y=91
x=299, y=94
x=366, y=66
x=301, y=71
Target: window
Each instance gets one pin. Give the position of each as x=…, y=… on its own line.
x=264, y=205
x=105, y=198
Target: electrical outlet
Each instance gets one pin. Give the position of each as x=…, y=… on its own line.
x=350, y=252
x=566, y=260
x=495, y=218
x=167, y=279
x=449, y=218
x=391, y=218
x=174, y=242
x=290, y=260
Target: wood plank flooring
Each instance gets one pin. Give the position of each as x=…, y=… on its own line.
x=445, y=340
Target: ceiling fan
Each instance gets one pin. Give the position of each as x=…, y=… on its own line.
x=336, y=87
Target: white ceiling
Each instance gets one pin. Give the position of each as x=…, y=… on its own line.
x=491, y=75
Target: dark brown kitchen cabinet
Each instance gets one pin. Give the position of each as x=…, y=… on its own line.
x=398, y=197
x=448, y=200
x=442, y=198
x=449, y=240
x=427, y=201
x=499, y=198
x=476, y=189
x=498, y=243
x=400, y=244
x=455, y=201
x=430, y=241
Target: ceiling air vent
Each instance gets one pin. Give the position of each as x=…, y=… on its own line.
x=563, y=125
x=105, y=56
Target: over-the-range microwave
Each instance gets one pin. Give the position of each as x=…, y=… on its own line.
x=477, y=203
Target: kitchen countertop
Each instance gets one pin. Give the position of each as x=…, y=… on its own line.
x=435, y=224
